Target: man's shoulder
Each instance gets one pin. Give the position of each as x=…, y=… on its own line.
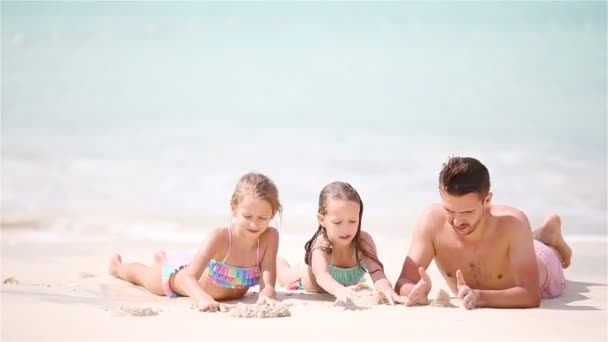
x=511, y=218
x=432, y=217
x=434, y=212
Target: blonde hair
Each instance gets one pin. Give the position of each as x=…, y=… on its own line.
x=258, y=186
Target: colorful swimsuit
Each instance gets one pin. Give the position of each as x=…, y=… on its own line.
x=219, y=273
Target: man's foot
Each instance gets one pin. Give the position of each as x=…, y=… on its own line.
x=550, y=233
x=115, y=262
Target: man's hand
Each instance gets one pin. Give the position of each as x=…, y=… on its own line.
x=465, y=293
x=420, y=292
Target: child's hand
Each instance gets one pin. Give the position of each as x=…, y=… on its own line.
x=345, y=295
x=265, y=300
x=212, y=306
x=391, y=297
x=359, y=286
x=420, y=293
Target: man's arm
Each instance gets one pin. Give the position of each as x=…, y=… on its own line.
x=420, y=254
x=526, y=292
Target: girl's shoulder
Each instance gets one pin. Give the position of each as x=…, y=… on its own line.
x=366, y=242
x=215, y=243
x=271, y=235
x=321, y=242
x=218, y=235
x=366, y=237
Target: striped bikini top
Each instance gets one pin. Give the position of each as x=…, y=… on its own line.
x=224, y=275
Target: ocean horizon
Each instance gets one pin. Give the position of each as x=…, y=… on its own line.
x=124, y=118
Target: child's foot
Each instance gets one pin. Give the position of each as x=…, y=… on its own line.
x=550, y=233
x=115, y=262
x=160, y=257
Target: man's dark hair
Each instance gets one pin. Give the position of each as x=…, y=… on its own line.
x=464, y=175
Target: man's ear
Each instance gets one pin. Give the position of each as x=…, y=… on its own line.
x=488, y=199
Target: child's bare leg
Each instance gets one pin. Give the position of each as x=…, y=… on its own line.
x=308, y=281
x=140, y=274
x=285, y=273
x=550, y=233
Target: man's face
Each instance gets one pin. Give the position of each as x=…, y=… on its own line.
x=464, y=213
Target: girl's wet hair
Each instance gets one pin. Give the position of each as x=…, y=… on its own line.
x=258, y=186
x=340, y=191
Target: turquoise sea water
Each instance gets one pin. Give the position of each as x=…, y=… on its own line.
x=160, y=107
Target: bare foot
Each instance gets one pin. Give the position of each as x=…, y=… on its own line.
x=550, y=233
x=160, y=257
x=115, y=262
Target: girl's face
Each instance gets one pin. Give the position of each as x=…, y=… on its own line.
x=252, y=216
x=341, y=221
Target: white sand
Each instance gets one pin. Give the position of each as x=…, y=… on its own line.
x=63, y=293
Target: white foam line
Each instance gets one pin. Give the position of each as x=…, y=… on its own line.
x=198, y=237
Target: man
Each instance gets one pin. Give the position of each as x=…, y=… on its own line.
x=487, y=253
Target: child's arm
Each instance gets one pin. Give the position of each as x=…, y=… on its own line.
x=194, y=271
x=320, y=261
x=381, y=283
x=268, y=267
